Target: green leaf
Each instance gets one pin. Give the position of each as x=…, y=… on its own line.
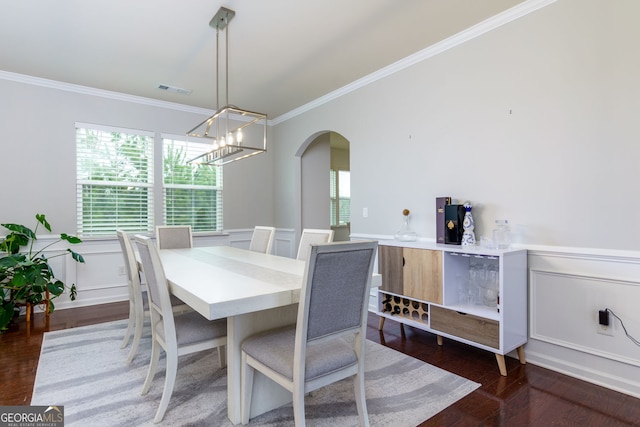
x=73, y=292
x=71, y=239
x=6, y=313
x=19, y=279
x=76, y=256
x=12, y=242
x=42, y=220
x=56, y=288
x=35, y=298
x=10, y=261
x=20, y=229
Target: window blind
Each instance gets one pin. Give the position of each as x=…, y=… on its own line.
x=192, y=192
x=114, y=180
x=340, y=194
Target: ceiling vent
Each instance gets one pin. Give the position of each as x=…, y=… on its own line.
x=175, y=89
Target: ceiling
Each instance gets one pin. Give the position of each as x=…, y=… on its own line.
x=283, y=53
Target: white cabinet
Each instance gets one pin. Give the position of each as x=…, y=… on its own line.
x=468, y=294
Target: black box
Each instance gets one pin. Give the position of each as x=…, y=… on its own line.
x=453, y=218
x=441, y=202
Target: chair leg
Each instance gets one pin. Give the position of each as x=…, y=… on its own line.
x=153, y=363
x=130, y=325
x=137, y=335
x=361, y=401
x=298, y=405
x=222, y=356
x=169, y=382
x=246, y=379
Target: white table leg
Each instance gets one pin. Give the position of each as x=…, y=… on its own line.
x=267, y=395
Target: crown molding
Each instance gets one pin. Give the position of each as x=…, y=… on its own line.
x=86, y=90
x=464, y=36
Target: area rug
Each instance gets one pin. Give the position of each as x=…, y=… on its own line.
x=84, y=370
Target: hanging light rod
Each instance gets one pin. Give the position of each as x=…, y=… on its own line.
x=235, y=133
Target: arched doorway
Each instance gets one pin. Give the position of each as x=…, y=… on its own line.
x=324, y=184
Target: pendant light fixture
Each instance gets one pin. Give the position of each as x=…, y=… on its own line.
x=234, y=133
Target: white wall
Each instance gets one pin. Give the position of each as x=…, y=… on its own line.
x=315, y=164
x=38, y=153
x=533, y=122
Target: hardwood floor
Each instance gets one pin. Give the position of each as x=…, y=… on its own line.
x=528, y=396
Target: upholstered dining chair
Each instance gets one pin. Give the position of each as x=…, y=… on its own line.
x=309, y=236
x=174, y=236
x=262, y=239
x=327, y=344
x=178, y=334
x=138, y=302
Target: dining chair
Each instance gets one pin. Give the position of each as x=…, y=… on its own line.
x=176, y=334
x=262, y=239
x=327, y=344
x=174, y=236
x=309, y=236
x=138, y=301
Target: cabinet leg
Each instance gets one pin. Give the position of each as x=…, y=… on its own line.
x=520, y=350
x=381, y=324
x=501, y=364
x=439, y=339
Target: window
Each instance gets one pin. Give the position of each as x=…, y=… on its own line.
x=340, y=189
x=192, y=193
x=114, y=180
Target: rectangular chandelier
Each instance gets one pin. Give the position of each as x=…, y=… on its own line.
x=235, y=134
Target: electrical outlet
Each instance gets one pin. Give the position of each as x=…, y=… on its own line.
x=604, y=325
x=121, y=271
x=605, y=330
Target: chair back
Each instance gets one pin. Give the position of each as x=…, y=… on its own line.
x=130, y=263
x=162, y=322
x=335, y=295
x=174, y=236
x=262, y=239
x=310, y=236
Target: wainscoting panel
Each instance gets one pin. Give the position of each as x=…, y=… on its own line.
x=566, y=313
x=566, y=290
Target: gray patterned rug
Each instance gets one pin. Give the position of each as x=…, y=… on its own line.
x=84, y=369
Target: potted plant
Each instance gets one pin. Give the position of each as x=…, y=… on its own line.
x=26, y=278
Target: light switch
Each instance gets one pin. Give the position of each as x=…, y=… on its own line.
x=365, y=212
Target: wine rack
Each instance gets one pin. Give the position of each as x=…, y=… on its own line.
x=404, y=307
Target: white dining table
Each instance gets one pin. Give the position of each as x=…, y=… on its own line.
x=254, y=291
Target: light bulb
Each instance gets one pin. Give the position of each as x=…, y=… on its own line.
x=230, y=138
x=215, y=144
x=239, y=136
x=222, y=142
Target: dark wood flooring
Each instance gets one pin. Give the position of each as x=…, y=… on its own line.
x=528, y=396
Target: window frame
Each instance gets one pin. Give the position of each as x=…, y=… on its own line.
x=197, y=147
x=146, y=216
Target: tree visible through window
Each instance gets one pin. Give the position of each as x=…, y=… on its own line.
x=340, y=189
x=114, y=180
x=115, y=183
x=192, y=192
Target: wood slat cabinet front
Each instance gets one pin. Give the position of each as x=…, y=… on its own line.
x=416, y=273
x=436, y=288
